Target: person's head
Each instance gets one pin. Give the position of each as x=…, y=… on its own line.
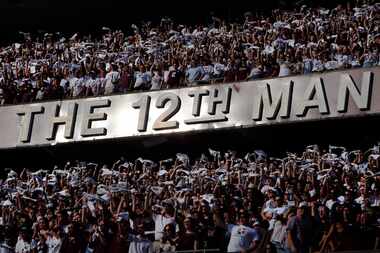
x=55, y=231
x=70, y=229
x=40, y=221
x=279, y=201
x=256, y=224
x=268, y=214
x=142, y=68
x=169, y=230
x=271, y=194
x=56, y=81
x=301, y=210
x=243, y=217
x=77, y=73
x=93, y=74
x=187, y=224
x=24, y=233
x=59, y=216
x=114, y=67
x=50, y=214
x=226, y=216
x=169, y=210
x=204, y=209
x=362, y=190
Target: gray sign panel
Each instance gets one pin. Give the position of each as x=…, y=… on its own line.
x=291, y=99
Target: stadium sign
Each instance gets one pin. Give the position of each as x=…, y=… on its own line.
x=291, y=99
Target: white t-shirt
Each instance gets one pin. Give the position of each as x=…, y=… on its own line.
x=110, y=80
x=279, y=233
x=94, y=85
x=270, y=204
x=5, y=248
x=160, y=222
x=218, y=69
x=156, y=82
x=331, y=65
x=355, y=62
x=76, y=85
x=339, y=58
x=142, y=78
x=64, y=82
x=139, y=245
x=22, y=246
x=375, y=201
x=241, y=237
x=208, y=70
x=318, y=66
x=284, y=70
x=40, y=95
x=54, y=244
x=166, y=76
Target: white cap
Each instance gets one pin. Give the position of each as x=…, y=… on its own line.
x=341, y=200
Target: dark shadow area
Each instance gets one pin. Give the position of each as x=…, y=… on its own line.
x=85, y=16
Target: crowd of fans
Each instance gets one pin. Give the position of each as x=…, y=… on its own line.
x=320, y=200
x=170, y=55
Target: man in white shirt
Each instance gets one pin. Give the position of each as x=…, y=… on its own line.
x=53, y=241
x=284, y=68
x=243, y=238
x=156, y=81
x=111, y=79
x=139, y=243
x=194, y=73
x=5, y=248
x=208, y=69
x=142, y=78
x=318, y=65
x=76, y=85
x=40, y=93
x=93, y=85
x=65, y=84
x=23, y=245
x=218, y=69
x=160, y=221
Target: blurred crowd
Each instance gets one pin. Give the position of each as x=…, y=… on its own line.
x=171, y=55
x=317, y=200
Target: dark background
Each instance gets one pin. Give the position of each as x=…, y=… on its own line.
x=69, y=16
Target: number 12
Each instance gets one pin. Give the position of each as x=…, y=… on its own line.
x=162, y=122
